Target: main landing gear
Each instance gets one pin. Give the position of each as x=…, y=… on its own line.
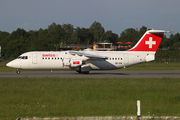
x=85, y=72
x=18, y=71
x=83, y=69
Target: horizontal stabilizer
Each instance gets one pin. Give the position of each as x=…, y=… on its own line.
x=158, y=31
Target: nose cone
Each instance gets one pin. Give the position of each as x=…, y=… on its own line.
x=9, y=64
x=13, y=64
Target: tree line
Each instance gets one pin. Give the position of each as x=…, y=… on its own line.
x=20, y=41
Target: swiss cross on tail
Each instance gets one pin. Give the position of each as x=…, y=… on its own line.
x=149, y=41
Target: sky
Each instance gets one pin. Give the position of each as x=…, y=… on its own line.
x=114, y=15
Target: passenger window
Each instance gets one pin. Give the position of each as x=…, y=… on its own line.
x=112, y=58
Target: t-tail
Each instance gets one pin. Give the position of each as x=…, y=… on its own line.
x=149, y=43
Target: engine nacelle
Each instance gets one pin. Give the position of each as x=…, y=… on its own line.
x=75, y=63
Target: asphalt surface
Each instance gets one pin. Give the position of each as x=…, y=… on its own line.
x=94, y=74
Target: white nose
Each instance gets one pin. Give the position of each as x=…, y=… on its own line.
x=9, y=64
x=13, y=64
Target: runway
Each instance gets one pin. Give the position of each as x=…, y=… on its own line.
x=94, y=74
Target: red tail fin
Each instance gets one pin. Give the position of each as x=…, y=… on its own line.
x=149, y=41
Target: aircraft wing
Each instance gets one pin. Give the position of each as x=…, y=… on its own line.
x=89, y=55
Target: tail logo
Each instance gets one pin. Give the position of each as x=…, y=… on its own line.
x=150, y=42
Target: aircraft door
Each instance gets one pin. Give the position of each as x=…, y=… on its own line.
x=20, y=62
x=34, y=58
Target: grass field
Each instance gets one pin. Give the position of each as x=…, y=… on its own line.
x=56, y=97
x=154, y=66
x=47, y=97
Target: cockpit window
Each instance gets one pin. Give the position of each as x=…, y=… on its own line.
x=22, y=57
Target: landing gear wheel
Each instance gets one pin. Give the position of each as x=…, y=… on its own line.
x=87, y=72
x=78, y=71
x=18, y=72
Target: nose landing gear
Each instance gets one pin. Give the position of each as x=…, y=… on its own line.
x=18, y=71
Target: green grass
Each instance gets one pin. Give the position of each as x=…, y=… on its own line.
x=154, y=66
x=57, y=97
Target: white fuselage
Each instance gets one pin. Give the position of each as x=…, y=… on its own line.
x=63, y=60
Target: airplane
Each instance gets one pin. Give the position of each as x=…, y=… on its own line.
x=84, y=61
